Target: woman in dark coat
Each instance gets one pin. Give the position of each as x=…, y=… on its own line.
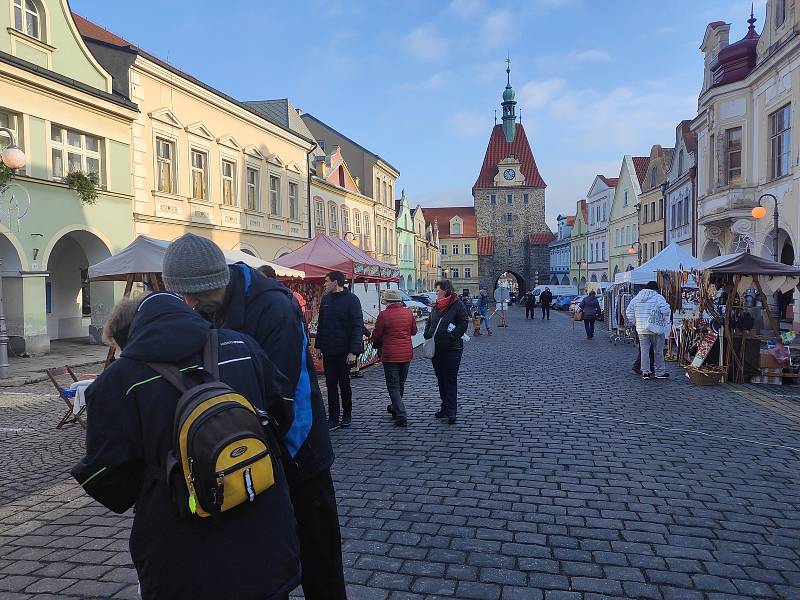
x=393, y=330
x=452, y=320
x=590, y=311
x=248, y=552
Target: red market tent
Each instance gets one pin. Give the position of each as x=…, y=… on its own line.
x=325, y=253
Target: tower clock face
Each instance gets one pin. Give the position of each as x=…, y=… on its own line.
x=509, y=174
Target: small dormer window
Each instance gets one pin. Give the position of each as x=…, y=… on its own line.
x=28, y=18
x=456, y=228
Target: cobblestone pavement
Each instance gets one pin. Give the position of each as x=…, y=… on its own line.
x=566, y=477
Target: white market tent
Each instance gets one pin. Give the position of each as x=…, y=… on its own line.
x=145, y=255
x=671, y=258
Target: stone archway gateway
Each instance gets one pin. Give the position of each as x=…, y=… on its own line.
x=514, y=281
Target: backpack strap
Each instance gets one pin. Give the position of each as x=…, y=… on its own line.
x=171, y=375
x=211, y=354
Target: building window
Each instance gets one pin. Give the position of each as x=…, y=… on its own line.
x=199, y=175
x=73, y=151
x=383, y=194
x=319, y=215
x=733, y=155
x=509, y=217
x=333, y=221
x=493, y=199
x=357, y=222
x=345, y=220
x=780, y=13
x=228, y=182
x=652, y=249
x=672, y=223
x=274, y=195
x=294, y=204
x=367, y=232
x=680, y=162
x=653, y=178
x=509, y=232
x=444, y=249
x=686, y=211
x=391, y=194
x=455, y=249
x=252, y=189
x=660, y=246
x=524, y=198
x=653, y=216
x=341, y=176
x=378, y=240
x=377, y=193
x=644, y=213
x=661, y=208
x=779, y=140
x=510, y=198
x=467, y=272
x=626, y=197
x=456, y=228
x=165, y=166
x=467, y=249
x=509, y=252
x=454, y=272
x=27, y=18
x=11, y=121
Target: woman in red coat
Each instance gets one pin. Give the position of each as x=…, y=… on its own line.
x=392, y=334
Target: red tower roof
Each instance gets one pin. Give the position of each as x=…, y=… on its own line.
x=499, y=149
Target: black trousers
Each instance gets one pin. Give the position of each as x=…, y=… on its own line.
x=546, y=311
x=314, y=502
x=589, y=325
x=337, y=377
x=396, y=374
x=446, y=365
x=529, y=312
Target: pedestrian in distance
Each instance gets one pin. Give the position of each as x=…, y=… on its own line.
x=651, y=313
x=248, y=549
x=546, y=298
x=238, y=298
x=340, y=332
x=530, y=303
x=392, y=335
x=446, y=325
x=483, y=309
x=590, y=311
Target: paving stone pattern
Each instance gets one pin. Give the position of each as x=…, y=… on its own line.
x=565, y=478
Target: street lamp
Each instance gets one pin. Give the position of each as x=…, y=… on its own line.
x=581, y=263
x=638, y=251
x=759, y=212
x=14, y=158
x=353, y=239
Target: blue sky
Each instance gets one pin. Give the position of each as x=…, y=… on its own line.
x=418, y=81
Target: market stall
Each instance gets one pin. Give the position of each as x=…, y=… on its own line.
x=324, y=254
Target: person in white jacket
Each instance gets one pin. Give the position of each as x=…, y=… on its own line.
x=650, y=312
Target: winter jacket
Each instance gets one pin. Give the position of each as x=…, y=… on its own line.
x=393, y=331
x=455, y=314
x=250, y=551
x=529, y=300
x=340, y=327
x=649, y=310
x=546, y=297
x=267, y=311
x=590, y=308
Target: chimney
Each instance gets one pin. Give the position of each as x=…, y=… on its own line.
x=320, y=167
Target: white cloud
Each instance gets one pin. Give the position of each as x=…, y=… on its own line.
x=434, y=82
x=553, y=3
x=498, y=28
x=593, y=55
x=470, y=124
x=426, y=42
x=465, y=8
x=536, y=94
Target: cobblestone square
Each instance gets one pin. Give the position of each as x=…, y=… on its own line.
x=566, y=477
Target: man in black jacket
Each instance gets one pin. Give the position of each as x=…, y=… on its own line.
x=266, y=310
x=340, y=332
x=545, y=298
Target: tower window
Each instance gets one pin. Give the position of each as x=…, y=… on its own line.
x=524, y=198
x=493, y=199
x=510, y=252
x=510, y=232
x=509, y=198
x=509, y=216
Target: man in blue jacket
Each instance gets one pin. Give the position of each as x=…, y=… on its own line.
x=340, y=333
x=264, y=309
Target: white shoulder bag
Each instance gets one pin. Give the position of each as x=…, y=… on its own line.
x=429, y=346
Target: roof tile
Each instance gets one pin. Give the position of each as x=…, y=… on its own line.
x=444, y=214
x=485, y=245
x=541, y=239
x=499, y=148
x=640, y=163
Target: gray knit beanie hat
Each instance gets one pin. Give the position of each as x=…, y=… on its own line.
x=194, y=264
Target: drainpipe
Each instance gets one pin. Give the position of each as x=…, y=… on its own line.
x=693, y=178
x=308, y=189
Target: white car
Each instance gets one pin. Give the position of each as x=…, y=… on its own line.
x=407, y=301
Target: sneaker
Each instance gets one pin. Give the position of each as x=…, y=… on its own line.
x=664, y=376
x=647, y=376
x=347, y=420
x=490, y=333
x=333, y=424
x=451, y=420
x=439, y=414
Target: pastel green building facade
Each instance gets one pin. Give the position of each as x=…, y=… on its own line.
x=57, y=101
x=406, y=245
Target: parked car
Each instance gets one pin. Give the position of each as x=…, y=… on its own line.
x=563, y=302
x=411, y=303
x=424, y=298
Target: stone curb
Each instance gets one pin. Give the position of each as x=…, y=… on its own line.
x=39, y=377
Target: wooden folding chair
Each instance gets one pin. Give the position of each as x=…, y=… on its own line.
x=70, y=416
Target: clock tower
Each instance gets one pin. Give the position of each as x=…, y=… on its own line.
x=510, y=204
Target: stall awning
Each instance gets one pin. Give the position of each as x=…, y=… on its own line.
x=671, y=258
x=745, y=263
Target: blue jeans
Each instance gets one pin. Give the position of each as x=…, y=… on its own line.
x=485, y=320
x=589, y=325
x=446, y=364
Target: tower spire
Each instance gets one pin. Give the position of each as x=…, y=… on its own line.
x=508, y=104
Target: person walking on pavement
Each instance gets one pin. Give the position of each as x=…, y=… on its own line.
x=238, y=298
x=340, y=331
x=530, y=303
x=590, y=311
x=249, y=551
x=483, y=309
x=392, y=335
x=546, y=298
x=651, y=313
x=447, y=323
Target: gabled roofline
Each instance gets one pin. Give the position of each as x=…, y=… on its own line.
x=339, y=133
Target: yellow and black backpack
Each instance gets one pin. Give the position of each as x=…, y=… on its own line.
x=222, y=445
